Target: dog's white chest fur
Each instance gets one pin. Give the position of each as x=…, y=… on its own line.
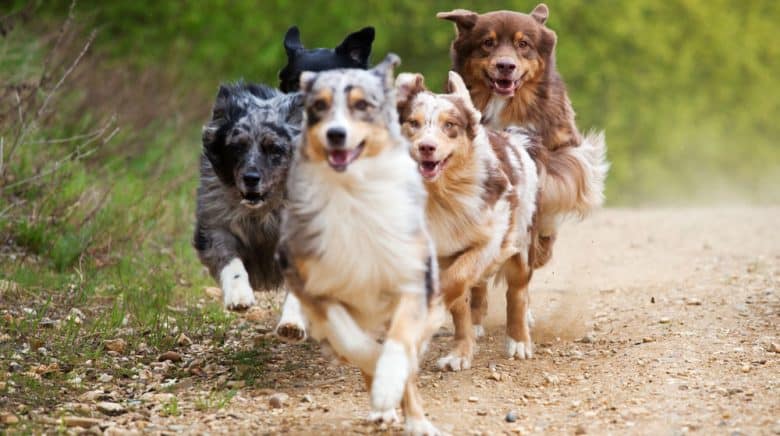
x=366, y=221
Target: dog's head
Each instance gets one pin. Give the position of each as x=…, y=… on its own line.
x=349, y=114
x=441, y=127
x=353, y=52
x=501, y=51
x=249, y=140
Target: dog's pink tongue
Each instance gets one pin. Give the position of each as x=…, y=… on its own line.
x=428, y=168
x=339, y=157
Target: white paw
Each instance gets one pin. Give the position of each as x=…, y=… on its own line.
x=392, y=371
x=519, y=350
x=479, y=331
x=453, y=362
x=292, y=324
x=387, y=416
x=237, y=291
x=421, y=427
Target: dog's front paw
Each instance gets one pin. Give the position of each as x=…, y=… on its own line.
x=519, y=349
x=421, y=427
x=459, y=358
x=291, y=332
x=386, y=416
x=392, y=372
x=292, y=323
x=237, y=291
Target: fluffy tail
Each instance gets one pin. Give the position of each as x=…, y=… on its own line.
x=571, y=179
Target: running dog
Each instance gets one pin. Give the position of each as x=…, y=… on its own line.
x=354, y=246
x=353, y=52
x=507, y=60
x=485, y=190
x=247, y=149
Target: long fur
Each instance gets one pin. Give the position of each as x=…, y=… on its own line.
x=490, y=200
x=355, y=245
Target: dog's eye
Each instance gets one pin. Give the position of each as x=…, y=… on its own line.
x=489, y=43
x=361, y=105
x=319, y=105
x=522, y=44
x=414, y=124
x=449, y=125
x=276, y=150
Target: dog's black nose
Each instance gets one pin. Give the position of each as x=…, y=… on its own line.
x=251, y=179
x=505, y=67
x=336, y=136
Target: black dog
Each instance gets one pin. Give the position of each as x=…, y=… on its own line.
x=353, y=52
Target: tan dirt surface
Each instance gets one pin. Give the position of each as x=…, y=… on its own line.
x=680, y=315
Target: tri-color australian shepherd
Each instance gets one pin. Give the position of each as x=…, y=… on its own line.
x=485, y=192
x=354, y=241
x=247, y=150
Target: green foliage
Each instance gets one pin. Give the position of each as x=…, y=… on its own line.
x=686, y=89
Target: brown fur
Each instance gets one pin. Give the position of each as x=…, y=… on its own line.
x=540, y=102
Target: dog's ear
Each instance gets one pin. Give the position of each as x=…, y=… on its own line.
x=540, y=13
x=357, y=45
x=464, y=19
x=457, y=87
x=307, y=80
x=295, y=111
x=385, y=69
x=292, y=41
x=547, y=43
x=407, y=86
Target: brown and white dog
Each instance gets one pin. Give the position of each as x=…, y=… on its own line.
x=507, y=60
x=484, y=193
x=355, y=247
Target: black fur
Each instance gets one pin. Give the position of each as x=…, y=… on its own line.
x=353, y=52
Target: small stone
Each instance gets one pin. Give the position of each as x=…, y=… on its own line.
x=511, y=416
x=105, y=378
x=580, y=429
x=9, y=419
x=495, y=376
x=111, y=409
x=482, y=412
x=647, y=339
x=170, y=356
x=255, y=314
x=473, y=399
x=278, y=400
x=693, y=302
x=15, y=367
x=307, y=399
x=745, y=368
x=774, y=347
x=665, y=320
x=589, y=338
x=214, y=293
x=79, y=421
x=184, y=341
x=236, y=384
x=117, y=345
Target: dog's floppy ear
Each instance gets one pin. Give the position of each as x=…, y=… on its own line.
x=540, y=13
x=307, y=80
x=357, y=45
x=292, y=41
x=385, y=69
x=407, y=86
x=464, y=19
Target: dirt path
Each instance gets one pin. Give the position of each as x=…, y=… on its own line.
x=679, y=309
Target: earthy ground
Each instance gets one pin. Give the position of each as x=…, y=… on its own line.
x=653, y=321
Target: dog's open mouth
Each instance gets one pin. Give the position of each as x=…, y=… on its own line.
x=253, y=200
x=340, y=158
x=429, y=169
x=502, y=86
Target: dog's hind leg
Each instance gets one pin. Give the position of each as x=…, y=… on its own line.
x=292, y=324
x=416, y=423
x=478, y=308
x=518, y=317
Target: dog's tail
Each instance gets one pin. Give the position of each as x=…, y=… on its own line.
x=571, y=179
